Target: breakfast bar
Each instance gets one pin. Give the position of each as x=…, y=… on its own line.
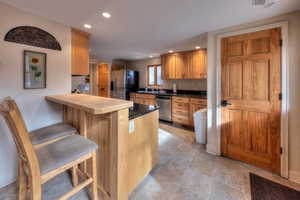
x=127, y=136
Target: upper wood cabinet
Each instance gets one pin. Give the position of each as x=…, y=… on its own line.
x=198, y=67
x=168, y=63
x=181, y=71
x=80, y=52
x=185, y=65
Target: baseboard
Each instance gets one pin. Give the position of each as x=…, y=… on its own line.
x=294, y=176
x=7, y=184
x=211, y=149
x=187, y=135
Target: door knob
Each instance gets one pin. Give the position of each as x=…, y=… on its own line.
x=225, y=103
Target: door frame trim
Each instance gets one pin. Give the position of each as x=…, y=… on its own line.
x=284, y=89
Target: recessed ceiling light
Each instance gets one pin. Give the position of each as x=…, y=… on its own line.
x=197, y=47
x=88, y=26
x=170, y=51
x=106, y=15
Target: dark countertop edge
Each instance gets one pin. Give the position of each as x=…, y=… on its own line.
x=169, y=91
x=191, y=96
x=203, y=96
x=139, y=110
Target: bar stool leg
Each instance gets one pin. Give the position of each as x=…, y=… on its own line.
x=75, y=175
x=22, y=181
x=94, y=174
x=35, y=188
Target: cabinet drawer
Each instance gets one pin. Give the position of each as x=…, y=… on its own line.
x=181, y=99
x=145, y=96
x=198, y=101
x=183, y=106
x=180, y=120
x=183, y=113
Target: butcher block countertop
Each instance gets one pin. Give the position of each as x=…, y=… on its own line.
x=92, y=104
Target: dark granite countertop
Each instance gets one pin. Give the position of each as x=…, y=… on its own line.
x=180, y=93
x=140, y=109
x=191, y=96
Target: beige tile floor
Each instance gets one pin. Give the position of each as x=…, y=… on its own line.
x=185, y=172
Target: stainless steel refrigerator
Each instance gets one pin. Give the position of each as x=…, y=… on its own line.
x=123, y=82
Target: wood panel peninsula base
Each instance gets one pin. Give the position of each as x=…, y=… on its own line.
x=106, y=122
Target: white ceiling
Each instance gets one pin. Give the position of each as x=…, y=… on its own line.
x=139, y=28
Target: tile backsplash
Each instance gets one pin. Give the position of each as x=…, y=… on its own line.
x=186, y=84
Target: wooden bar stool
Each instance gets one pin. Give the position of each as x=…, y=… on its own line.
x=48, y=134
x=52, y=133
x=37, y=166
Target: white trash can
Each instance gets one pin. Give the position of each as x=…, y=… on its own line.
x=200, y=124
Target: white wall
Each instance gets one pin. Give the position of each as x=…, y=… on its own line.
x=36, y=111
x=294, y=83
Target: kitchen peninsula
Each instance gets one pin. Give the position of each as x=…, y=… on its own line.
x=127, y=135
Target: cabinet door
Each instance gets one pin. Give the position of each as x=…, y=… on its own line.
x=180, y=67
x=188, y=61
x=168, y=66
x=152, y=102
x=180, y=110
x=80, y=52
x=204, y=64
x=138, y=100
x=198, y=69
x=132, y=97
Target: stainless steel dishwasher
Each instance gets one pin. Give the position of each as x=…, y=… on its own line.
x=165, y=107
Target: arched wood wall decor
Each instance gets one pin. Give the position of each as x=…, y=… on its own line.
x=32, y=36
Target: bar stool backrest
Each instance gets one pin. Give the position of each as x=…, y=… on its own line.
x=12, y=115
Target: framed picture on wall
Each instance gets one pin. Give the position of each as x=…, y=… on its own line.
x=34, y=70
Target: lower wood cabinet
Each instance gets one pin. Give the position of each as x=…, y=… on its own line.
x=143, y=153
x=147, y=99
x=183, y=109
x=180, y=110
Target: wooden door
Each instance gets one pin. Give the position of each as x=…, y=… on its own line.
x=251, y=84
x=103, y=80
x=168, y=66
